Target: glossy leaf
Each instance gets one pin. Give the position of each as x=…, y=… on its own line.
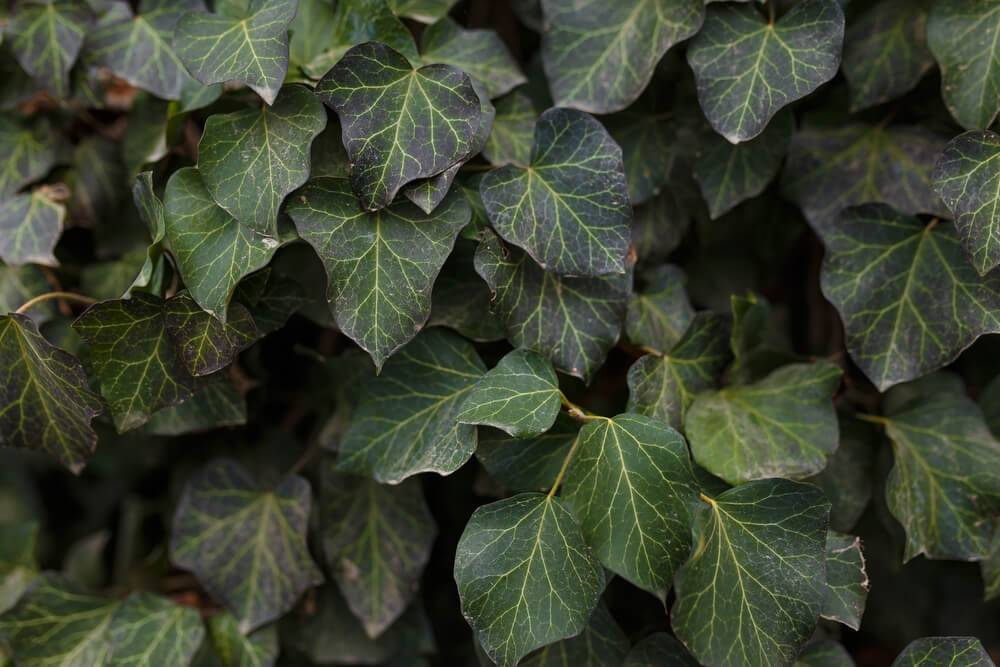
x=747, y=69
x=525, y=576
x=30, y=226
x=256, y=649
x=659, y=648
x=46, y=39
x=602, y=642
x=480, y=53
x=569, y=207
x=148, y=630
x=27, y=152
x=205, y=344
x=405, y=423
x=246, y=544
x=846, y=580
x=957, y=651
x=513, y=131
x=658, y=316
x=909, y=300
x=527, y=464
x=749, y=592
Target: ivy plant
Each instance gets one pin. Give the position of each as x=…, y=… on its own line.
x=499, y=332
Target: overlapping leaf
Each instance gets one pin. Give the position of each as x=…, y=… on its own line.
x=215, y=403
x=847, y=478
x=513, y=130
x=480, y=53
x=747, y=68
x=658, y=316
x=527, y=464
x=205, y=344
x=461, y=300
x=602, y=642
x=30, y=226
x=599, y=56
x=315, y=21
x=659, y=648
x=749, y=594
x=909, y=300
x=256, y=649
x=569, y=208
x=525, y=576
x=846, y=580
x=46, y=39
x=147, y=630
x=964, y=651
x=27, y=152
x=246, y=544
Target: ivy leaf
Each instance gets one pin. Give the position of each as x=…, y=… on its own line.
x=967, y=176
x=572, y=321
x=480, y=53
x=885, y=52
x=256, y=649
x=139, y=368
x=513, y=131
x=281, y=298
x=599, y=56
x=425, y=11
x=748, y=69
x=846, y=580
x=405, y=423
x=56, y=623
x=377, y=541
x=962, y=36
x=658, y=317
x=942, y=488
x=602, y=642
x=909, y=300
x=569, y=208
x=18, y=543
x=215, y=403
x=657, y=649
x=47, y=404
x=252, y=49
x=28, y=153
x=251, y=159
x=314, y=22
x=663, y=387
x=460, y=300
x=630, y=485
x=246, y=544
x=964, y=651
x=824, y=653
x=148, y=629
x=205, y=344
x=784, y=425
x=20, y=284
x=151, y=212
x=213, y=249
x=30, y=226
x=46, y=39
x=757, y=551
x=527, y=464
x=832, y=167
x=847, y=479
x=427, y=120
x=729, y=174
x=380, y=265
x=525, y=576
x=520, y=395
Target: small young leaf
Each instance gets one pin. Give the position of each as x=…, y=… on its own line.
x=957, y=651
x=147, y=630
x=602, y=642
x=256, y=649
x=758, y=549
x=659, y=316
x=30, y=226
x=513, y=131
x=846, y=580
x=29, y=152
x=480, y=53
x=527, y=464
x=525, y=576
x=659, y=649
x=246, y=545
x=204, y=343
x=569, y=208
x=47, y=37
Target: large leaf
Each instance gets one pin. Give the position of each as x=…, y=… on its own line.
x=572, y=321
x=943, y=487
x=405, y=423
x=630, y=484
x=27, y=152
x=885, y=51
x=380, y=265
x=30, y=226
x=377, y=541
x=426, y=122
x=750, y=593
x=967, y=176
x=246, y=544
x=46, y=38
x=658, y=316
x=846, y=580
x=205, y=344
x=602, y=642
x=251, y=159
x=599, y=55
x=782, y=426
x=659, y=649
x=527, y=464
x=148, y=630
x=213, y=249
x=256, y=649
x=45, y=401
x=569, y=208
x=252, y=49
x=480, y=53
x=525, y=576
x=747, y=68
x=139, y=368
x=909, y=300
x=957, y=651
x=962, y=35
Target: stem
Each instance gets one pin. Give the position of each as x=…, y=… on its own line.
x=770, y=11
x=576, y=412
x=706, y=498
x=871, y=419
x=565, y=464
x=69, y=296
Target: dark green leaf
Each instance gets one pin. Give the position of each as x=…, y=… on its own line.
x=751, y=318
x=480, y=53
x=234, y=649
x=659, y=225
x=150, y=630
x=846, y=580
x=824, y=653
x=513, y=131
x=631, y=486
x=216, y=402
x=43, y=390
x=569, y=208
x=19, y=284
x=252, y=49
x=30, y=226
x=885, y=51
x=281, y=298
x=145, y=139
x=460, y=300
x=27, y=152
x=427, y=120
x=599, y=56
x=250, y=160
x=525, y=576
x=377, y=541
x=909, y=300
x=952, y=651
x=748, y=69
x=46, y=38
x=204, y=343
x=328, y=156
x=380, y=265
x=847, y=478
x=405, y=423
x=967, y=176
x=151, y=212
x=572, y=321
x=659, y=649
x=246, y=544
x=750, y=591
x=601, y=643
x=18, y=543
x=658, y=317
x=527, y=464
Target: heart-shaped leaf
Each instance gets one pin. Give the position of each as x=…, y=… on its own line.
x=47, y=36
x=148, y=630
x=30, y=226
x=846, y=580
x=205, y=344
x=480, y=53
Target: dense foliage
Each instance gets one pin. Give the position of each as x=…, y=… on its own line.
x=540, y=332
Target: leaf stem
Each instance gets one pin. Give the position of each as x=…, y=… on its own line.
x=69, y=296
x=770, y=11
x=576, y=412
x=565, y=464
x=871, y=419
x=706, y=498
